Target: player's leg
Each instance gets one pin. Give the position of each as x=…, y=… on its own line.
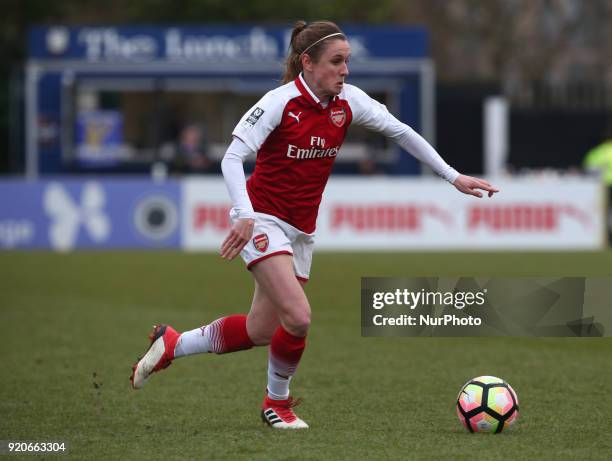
x=276, y=277
x=256, y=329
x=227, y=334
x=262, y=320
x=230, y=334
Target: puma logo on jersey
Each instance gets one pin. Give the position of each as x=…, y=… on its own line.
x=296, y=117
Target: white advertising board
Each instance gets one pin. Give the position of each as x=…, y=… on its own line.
x=206, y=208
x=426, y=214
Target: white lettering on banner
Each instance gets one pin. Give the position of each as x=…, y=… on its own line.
x=523, y=217
x=67, y=216
x=255, y=45
x=15, y=232
x=385, y=217
x=106, y=44
x=109, y=44
x=212, y=216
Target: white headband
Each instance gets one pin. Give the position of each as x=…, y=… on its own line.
x=320, y=40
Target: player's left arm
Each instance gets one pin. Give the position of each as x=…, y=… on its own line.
x=411, y=141
x=373, y=115
x=470, y=185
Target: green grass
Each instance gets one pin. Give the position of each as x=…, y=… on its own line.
x=73, y=324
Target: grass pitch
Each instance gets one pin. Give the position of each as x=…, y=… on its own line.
x=73, y=324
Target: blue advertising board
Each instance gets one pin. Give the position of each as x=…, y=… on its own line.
x=140, y=44
x=65, y=214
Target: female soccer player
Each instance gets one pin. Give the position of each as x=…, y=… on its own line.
x=296, y=132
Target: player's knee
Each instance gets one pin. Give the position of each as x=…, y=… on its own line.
x=298, y=323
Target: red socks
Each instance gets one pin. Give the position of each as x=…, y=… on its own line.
x=286, y=350
x=229, y=334
x=285, y=354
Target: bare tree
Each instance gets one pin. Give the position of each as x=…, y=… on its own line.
x=555, y=43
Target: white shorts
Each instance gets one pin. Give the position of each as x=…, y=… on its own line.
x=273, y=236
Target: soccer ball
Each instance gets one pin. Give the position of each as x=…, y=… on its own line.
x=487, y=404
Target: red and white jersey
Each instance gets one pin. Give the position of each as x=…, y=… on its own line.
x=297, y=141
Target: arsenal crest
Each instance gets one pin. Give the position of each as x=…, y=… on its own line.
x=338, y=116
x=261, y=242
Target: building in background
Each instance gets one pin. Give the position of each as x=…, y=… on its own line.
x=108, y=98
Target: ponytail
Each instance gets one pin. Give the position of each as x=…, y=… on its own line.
x=307, y=37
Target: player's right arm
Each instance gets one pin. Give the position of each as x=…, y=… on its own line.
x=235, y=181
x=248, y=136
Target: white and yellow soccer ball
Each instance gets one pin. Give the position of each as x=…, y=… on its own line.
x=487, y=404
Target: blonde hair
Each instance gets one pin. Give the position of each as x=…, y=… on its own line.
x=309, y=38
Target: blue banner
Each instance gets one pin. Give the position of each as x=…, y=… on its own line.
x=67, y=214
x=209, y=44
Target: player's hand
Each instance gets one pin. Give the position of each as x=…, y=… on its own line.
x=239, y=235
x=470, y=185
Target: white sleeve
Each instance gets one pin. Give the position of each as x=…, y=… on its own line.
x=259, y=121
x=414, y=143
x=374, y=116
x=235, y=180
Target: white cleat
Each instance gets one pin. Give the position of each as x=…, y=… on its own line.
x=159, y=356
x=279, y=414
